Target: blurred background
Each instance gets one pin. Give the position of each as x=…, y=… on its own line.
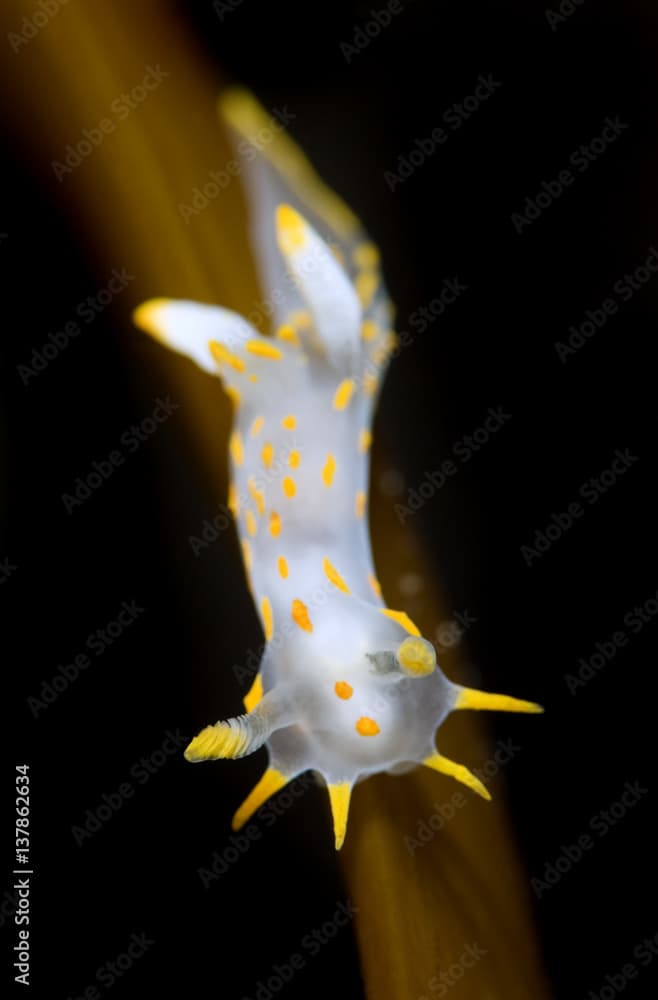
x=522, y=94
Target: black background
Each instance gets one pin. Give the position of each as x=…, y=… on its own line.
x=495, y=347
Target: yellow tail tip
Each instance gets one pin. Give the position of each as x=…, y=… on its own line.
x=485, y=701
x=339, y=797
x=148, y=317
x=459, y=772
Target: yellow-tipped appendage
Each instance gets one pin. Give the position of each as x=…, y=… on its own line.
x=446, y=766
x=339, y=797
x=268, y=785
x=484, y=701
x=148, y=317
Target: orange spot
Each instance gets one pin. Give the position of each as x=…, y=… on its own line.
x=369, y=329
x=283, y=567
x=334, y=576
x=267, y=455
x=268, y=618
x=275, y=524
x=374, y=583
x=367, y=727
x=365, y=440
x=291, y=229
x=263, y=349
x=366, y=285
x=256, y=496
x=235, y=447
x=403, y=619
x=329, y=470
x=301, y=319
x=343, y=690
x=289, y=487
x=233, y=394
x=289, y=423
x=223, y=356
x=300, y=615
x=360, y=503
x=288, y=334
x=233, y=502
x=250, y=520
x=370, y=384
x=343, y=394
x=246, y=554
x=294, y=459
x=366, y=255
x=257, y=426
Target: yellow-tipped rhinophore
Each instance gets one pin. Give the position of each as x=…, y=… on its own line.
x=223, y=740
x=446, y=766
x=268, y=785
x=417, y=657
x=339, y=797
x=483, y=700
x=148, y=317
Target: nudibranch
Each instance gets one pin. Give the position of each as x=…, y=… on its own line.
x=347, y=686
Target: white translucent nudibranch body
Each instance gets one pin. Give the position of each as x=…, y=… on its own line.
x=347, y=686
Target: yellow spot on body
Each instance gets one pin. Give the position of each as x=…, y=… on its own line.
x=367, y=727
x=301, y=319
x=365, y=440
x=366, y=255
x=275, y=524
x=289, y=487
x=329, y=470
x=235, y=447
x=300, y=615
x=334, y=576
x=366, y=285
x=403, y=619
x=267, y=455
x=283, y=567
x=254, y=695
x=257, y=426
x=374, y=583
x=360, y=504
x=250, y=520
x=339, y=798
x=257, y=496
x=369, y=329
x=268, y=785
x=343, y=690
x=253, y=378
x=267, y=616
x=370, y=383
x=291, y=229
x=263, y=349
x=223, y=356
x=233, y=394
x=483, y=700
x=416, y=657
x=233, y=502
x=246, y=554
x=294, y=459
x=288, y=334
x=343, y=394
x=289, y=423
